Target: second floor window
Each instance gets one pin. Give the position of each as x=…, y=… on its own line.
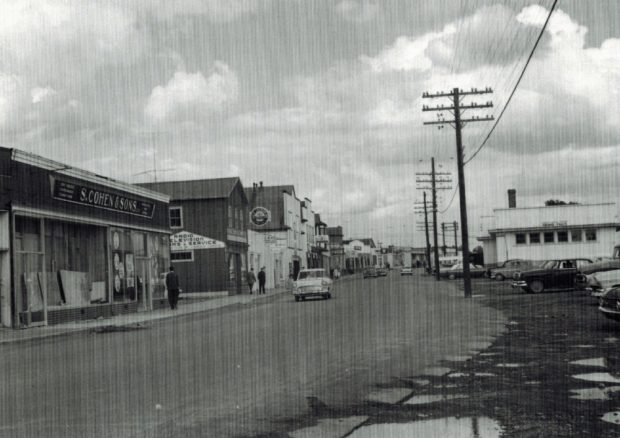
x=231, y=219
x=176, y=217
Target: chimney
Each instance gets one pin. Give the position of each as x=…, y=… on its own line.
x=512, y=198
x=261, y=184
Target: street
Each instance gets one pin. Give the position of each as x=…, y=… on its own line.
x=241, y=371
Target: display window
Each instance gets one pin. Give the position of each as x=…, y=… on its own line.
x=29, y=275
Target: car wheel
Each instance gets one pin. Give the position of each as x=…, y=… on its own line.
x=537, y=286
x=297, y=299
x=328, y=296
x=499, y=277
x=451, y=276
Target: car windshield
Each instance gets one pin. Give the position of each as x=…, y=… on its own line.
x=311, y=274
x=549, y=264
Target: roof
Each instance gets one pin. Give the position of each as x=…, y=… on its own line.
x=216, y=188
x=269, y=191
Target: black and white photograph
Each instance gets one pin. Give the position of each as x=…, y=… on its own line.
x=309, y=218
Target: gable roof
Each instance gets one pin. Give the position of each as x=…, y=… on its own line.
x=216, y=188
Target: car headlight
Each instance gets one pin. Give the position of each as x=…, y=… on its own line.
x=517, y=276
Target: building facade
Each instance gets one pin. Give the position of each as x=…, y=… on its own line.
x=76, y=245
x=336, y=248
x=213, y=214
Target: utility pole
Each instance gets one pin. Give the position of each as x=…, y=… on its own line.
x=458, y=123
x=434, y=187
x=443, y=238
x=423, y=209
x=456, y=243
x=446, y=227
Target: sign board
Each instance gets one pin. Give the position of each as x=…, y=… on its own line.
x=321, y=238
x=259, y=216
x=98, y=198
x=186, y=241
x=555, y=224
x=270, y=239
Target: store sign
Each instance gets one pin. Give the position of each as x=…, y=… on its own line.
x=79, y=194
x=270, y=239
x=185, y=241
x=259, y=216
x=321, y=238
x=357, y=248
x=555, y=224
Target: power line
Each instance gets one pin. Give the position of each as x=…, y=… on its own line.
x=456, y=189
x=542, y=31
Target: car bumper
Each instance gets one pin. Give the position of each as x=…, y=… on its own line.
x=519, y=284
x=318, y=292
x=610, y=313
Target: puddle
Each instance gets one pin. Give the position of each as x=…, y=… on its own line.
x=583, y=346
x=594, y=362
x=612, y=417
x=388, y=395
x=611, y=339
x=329, y=427
x=533, y=382
x=509, y=365
x=456, y=358
x=432, y=398
x=594, y=393
x=449, y=385
x=436, y=371
x=597, y=377
x=457, y=375
x=468, y=427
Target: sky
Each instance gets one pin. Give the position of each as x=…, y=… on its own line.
x=322, y=94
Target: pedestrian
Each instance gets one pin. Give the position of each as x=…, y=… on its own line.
x=172, y=284
x=262, y=279
x=251, y=279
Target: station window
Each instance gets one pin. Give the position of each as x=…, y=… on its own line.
x=520, y=238
x=534, y=237
x=549, y=237
x=182, y=256
x=575, y=235
x=590, y=235
x=176, y=217
x=562, y=236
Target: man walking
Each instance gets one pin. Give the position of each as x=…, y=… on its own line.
x=172, y=284
x=262, y=279
x=251, y=279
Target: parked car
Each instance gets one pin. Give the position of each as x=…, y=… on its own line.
x=508, y=268
x=382, y=272
x=599, y=283
x=406, y=271
x=369, y=273
x=610, y=304
x=456, y=271
x=552, y=274
x=312, y=283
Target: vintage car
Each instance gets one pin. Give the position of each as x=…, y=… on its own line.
x=312, y=283
x=609, y=304
x=406, y=271
x=456, y=271
x=552, y=274
x=369, y=273
x=508, y=268
x=599, y=283
x=382, y=272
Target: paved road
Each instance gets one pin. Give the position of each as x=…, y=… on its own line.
x=238, y=371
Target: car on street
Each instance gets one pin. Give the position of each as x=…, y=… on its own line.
x=552, y=274
x=369, y=273
x=456, y=271
x=312, y=283
x=382, y=272
x=599, y=283
x=406, y=271
x=508, y=268
x=609, y=304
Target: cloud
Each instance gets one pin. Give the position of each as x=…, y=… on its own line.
x=188, y=96
x=39, y=94
x=357, y=11
x=218, y=11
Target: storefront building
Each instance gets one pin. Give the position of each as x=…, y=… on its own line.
x=212, y=213
x=75, y=245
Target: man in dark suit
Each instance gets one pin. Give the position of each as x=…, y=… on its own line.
x=172, y=284
x=262, y=279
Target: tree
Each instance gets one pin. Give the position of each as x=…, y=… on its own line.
x=552, y=202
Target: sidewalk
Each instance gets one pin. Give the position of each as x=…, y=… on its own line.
x=187, y=306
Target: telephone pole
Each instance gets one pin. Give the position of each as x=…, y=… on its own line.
x=446, y=227
x=456, y=109
x=433, y=181
x=443, y=238
x=428, y=243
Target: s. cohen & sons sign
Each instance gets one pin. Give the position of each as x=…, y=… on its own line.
x=84, y=195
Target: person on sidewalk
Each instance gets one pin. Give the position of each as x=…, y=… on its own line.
x=172, y=284
x=251, y=279
x=262, y=279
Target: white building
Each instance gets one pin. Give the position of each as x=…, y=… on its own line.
x=550, y=232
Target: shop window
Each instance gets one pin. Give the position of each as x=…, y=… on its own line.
x=29, y=275
x=139, y=244
x=159, y=255
x=176, y=217
x=520, y=238
x=575, y=235
x=182, y=256
x=549, y=237
x=590, y=235
x=562, y=236
x=534, y=238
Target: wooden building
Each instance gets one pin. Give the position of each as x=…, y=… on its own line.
x=216, y=210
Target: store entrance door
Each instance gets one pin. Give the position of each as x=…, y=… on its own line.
x=143, y=284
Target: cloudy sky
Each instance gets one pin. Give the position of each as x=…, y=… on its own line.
x=322, y=94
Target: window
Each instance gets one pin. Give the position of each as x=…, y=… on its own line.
x=176, y=217
x=549, y=237
x=520, y=238
x=231, y=223
x=534, y=237
x=575, y=235
x=591, y=235
x=182, y=256
x=562, y=236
